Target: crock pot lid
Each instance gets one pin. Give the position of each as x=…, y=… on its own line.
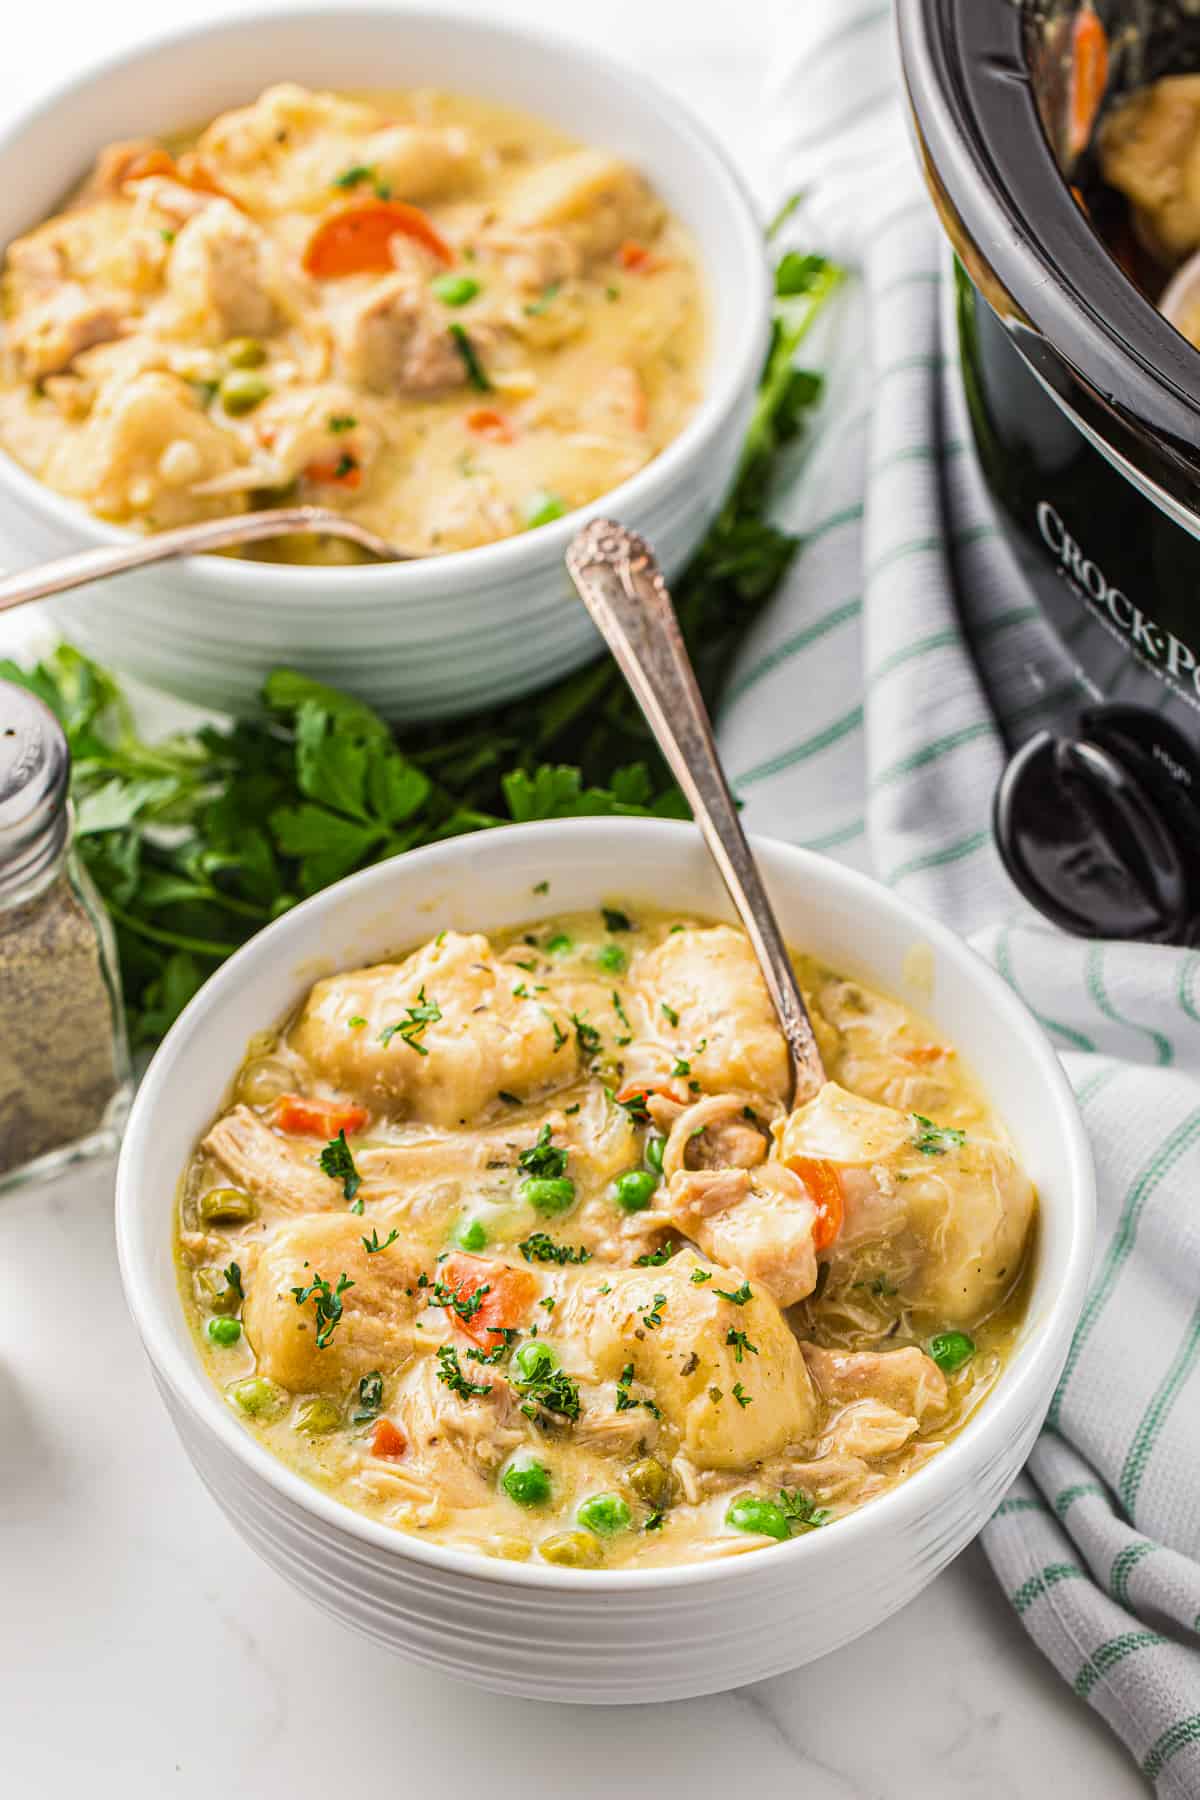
x=968, y=73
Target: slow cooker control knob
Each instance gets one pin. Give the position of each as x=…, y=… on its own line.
x=1088, y=844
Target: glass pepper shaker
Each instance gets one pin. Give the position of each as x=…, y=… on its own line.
x=64, y=1061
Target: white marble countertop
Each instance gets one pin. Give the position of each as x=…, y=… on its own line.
x=147, y=1652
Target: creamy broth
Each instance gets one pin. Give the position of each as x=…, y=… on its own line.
x=575, y=1286
x=442, y=317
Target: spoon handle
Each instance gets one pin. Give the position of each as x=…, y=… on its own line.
x=184, y=540
x=622, y=587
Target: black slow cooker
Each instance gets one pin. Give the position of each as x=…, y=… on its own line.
x=1085, y=407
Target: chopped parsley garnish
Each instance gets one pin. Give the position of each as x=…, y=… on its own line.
x=356, y=1023
x=559, y=944
x=626, y=1401
x=454, y=1299
x=541, y=887
x=620, y=1010
x=415, y=1023
x=654, y=1259
x=353, y=176
x=548, y=1390
x=356, y=1206
x=454, y=290
x=339, y=422
x=611, y=958
x=655, y=1521
x=635, y=1105
x=328, y=1307
x=935, y=1140
x=669, y=1014
x=739, y=1296
x=653, y=1318
x=337, y=1161
x=741, y=1343
x=346, y=465
x=586, y=1035
x=548, y=1301
x=450, y=1371
x=540, y=1248
x=545, y=298
x=370, y=1398
x=682, y=1066
x=372, y=1244
x=699, y=1275
x=510, y=1099
x=560, y=1036
x=615, y=919
x=476, y=374
x=167, y=235
x=489, y=1357
x=801, y=1513
x=233, y=1279
x=542, y=1158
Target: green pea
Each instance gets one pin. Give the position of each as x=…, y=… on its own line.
x=316, y=1417
x=651, y=1481
x=572, y=1550
x=534, y=1359
x=605, y=1514
x=749, y=1512
x=215, y=1293
x=226, y=1206
x=454, y=290
x=240, y=392
x=224, y=1331
x=471, y=1234
x=559, y=944
x=549, y=1194
x=259, y=1397
x=612, y=959
x=245, y=353
x=951, y=1349
x=541, y=508
x=526, y=1481
x=634, y=1190
x=655, y=1145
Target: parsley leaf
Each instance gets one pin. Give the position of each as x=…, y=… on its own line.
x=542, y=1158
x=654, y=1259
x=741, y=1343
x=450, y=1371
x=372, y=1245
x=739, y=1296
x=413, y=1026
x=935, y=1140
x=337, y=1161
x=802, y=1513
x=538, y=1247
x=328, y=1304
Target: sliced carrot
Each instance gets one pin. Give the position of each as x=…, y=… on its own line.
x=317, y=1118
x=486, y=422
x=638, y=259
x=824, y=1186
x=357, y=240
x=510, y=1294
x=636, y=1095
x=1089, y=78
x=926, y=1053
x=388, y=1441
x=191, y=171
x=151, y=162
x=342, y=470
x=632, y=396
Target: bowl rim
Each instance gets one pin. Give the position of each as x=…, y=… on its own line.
x=1017, y=1393
x=727, y=380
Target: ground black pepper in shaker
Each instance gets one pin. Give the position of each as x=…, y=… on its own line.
x=64, y=1061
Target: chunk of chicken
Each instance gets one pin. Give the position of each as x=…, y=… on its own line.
x=113, y=166
x=484, y=1041
x=714, y=1134
x=456, y=1443
x=949, y=1222
x=1150, y=151
x=390, y=339
x=272, y=1168
x=760, y=1221
x=592, y=197
x=375, y=1330
x=51, y=331
x=727, y=1032
x=533, y=260
x=868, y=1429
x=688, y=1360
x=285, y=149
x=145, y=446
x=294, y=426
x=906, y=1380
x=219, y=275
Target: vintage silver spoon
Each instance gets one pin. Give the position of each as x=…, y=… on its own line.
x=622, y=587
x=188, y=540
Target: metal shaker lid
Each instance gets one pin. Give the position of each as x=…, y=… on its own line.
x=35, y=767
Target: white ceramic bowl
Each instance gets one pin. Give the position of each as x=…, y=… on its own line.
x=531, y=1629
x=466, y=630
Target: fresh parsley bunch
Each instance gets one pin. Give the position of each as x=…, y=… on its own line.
x=198, y=841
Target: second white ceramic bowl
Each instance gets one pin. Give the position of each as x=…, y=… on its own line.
x=453, y=633
x=531, y=1629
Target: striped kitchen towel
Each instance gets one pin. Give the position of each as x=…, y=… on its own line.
x=865, y=718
